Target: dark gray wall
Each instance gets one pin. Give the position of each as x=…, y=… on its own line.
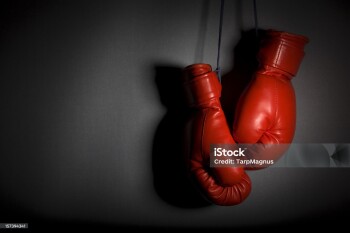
x=80, y=108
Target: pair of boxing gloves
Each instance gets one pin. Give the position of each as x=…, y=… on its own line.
x=265, y=115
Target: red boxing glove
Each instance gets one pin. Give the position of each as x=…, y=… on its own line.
x=266, y=111
x=207, y=125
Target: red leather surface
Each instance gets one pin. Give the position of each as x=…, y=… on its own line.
x=266, y=111
x=207, y=125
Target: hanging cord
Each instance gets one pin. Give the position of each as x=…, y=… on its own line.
x=255, y=18
x=218, y=68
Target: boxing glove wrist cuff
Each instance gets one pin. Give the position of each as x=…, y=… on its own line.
x=202, y=88
x=195, y=70
x=273, y=72
x=283, y=51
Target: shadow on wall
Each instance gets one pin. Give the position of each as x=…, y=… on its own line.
x=171, y=180
x=245, y=63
